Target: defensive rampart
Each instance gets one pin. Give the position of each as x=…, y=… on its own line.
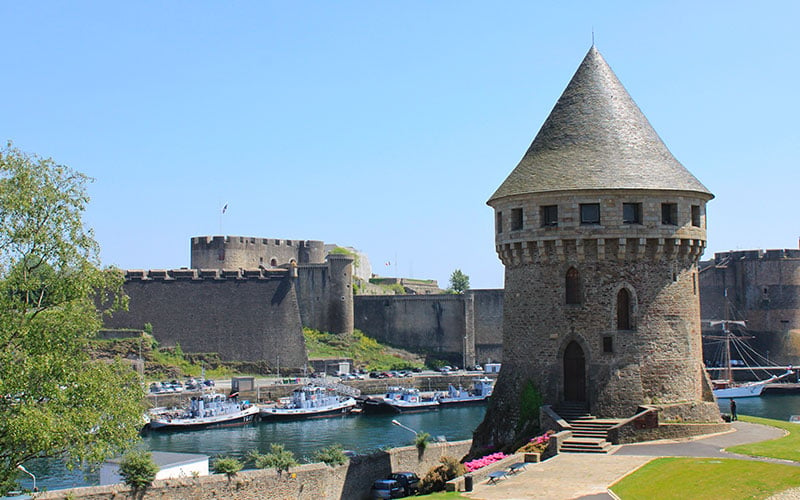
x=247, y=252
x=249, y=315
x=447, y=325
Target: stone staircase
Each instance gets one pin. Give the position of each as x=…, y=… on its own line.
x=588, y=432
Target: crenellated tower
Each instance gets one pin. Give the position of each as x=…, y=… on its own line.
x=600, y=230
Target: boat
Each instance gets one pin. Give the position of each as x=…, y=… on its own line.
x=310, y=401
x=207, y=410
x=479, y=392
x=724, y=386
x=399, y=400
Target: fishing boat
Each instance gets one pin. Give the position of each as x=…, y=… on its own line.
x=723, y=385
x=207, y=410
x=399, y=400
x=481, y=389
x=310, y=402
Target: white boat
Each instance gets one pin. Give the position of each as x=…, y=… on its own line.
x=208, y=410
x=481, y=389
x=310, y=402
x=399, y=400
x=726, y=387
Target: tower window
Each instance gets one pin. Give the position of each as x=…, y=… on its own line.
x=696, y=215
x=590, y=213
x=608, y=344
x=549, y=215
x=632, y=213
x=623, y=310
x=499, y=222
x=669, y=214
x=516, y=219
x=573, y=295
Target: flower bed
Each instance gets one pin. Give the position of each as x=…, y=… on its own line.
x=478, y=463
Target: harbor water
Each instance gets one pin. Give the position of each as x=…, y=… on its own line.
x=361, y=434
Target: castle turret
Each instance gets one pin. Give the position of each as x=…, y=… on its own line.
x=247, y=252
x=340, y=293
x=600, y=229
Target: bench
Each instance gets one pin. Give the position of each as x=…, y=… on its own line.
x=514, y=468
x=496, y=476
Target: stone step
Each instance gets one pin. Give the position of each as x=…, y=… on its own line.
x=585, y=445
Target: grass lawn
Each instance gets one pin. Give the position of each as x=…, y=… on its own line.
x=713, y=478
x=707, y=478
x=786, y=447
x=441, y=495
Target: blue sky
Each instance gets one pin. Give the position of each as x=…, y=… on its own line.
x=384, y=125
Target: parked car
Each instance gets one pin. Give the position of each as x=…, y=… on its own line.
x=408, y=480
x=387, y=488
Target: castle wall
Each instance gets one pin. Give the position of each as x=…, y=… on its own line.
x=763, y=288
x=436, y=323
x=247, y=252
x=244, y=316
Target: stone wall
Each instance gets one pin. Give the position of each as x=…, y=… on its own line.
x=242, y=315
x=351, y=481
x=437, y=324
x=247, y=252
x=763, y=288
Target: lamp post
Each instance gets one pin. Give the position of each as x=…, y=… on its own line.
x=26, y=471
x=395, y=422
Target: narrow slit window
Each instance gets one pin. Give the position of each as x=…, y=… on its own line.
x=696, y=215
x=573, y=286
x=623, y=310
x=499, y=222
x=516, y=219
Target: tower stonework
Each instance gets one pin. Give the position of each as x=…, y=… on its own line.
x=600, y=230
x=247, y=252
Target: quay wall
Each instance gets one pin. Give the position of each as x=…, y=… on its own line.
x=317, y=481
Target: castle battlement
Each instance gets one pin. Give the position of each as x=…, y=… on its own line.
x=738, y=255
x=246, y=242
x=204, y=274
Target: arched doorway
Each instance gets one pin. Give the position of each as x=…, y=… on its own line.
x=574, y=373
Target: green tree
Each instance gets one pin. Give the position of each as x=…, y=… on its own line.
x=138, y=470
x=54, y=400
x=278, y=458
x=227, y=465
x=459, y=282
x=332, y=455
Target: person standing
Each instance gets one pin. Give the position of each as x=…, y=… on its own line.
x=733, y=410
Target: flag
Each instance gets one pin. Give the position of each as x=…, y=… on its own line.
x=225, y=208
x=388, y=263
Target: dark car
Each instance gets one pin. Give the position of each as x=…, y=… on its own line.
x=387, y=488
x=408, y=480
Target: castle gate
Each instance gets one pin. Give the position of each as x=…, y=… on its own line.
x=574, y=373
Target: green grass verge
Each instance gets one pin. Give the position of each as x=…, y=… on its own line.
x=707, y=478
x=441, y=495
x=785, y=448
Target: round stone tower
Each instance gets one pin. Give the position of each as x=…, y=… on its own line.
x=248, y=252
x=600, y=230
x=340, y=293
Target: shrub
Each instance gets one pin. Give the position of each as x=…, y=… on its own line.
x=138, y=470
x=537, y=444
x=529, y=402
x=448, y=468
x=332, y=455
x=421, y=441
x=484, y=461
x=278, y=458
x=227, y=465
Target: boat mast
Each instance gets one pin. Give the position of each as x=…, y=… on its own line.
x=726, y=336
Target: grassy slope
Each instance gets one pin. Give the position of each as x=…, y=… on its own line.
x=707, y=478
x=364, y=350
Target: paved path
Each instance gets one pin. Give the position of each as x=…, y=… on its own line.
x=588, y=476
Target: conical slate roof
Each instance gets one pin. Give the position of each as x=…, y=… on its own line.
x=597, y=138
